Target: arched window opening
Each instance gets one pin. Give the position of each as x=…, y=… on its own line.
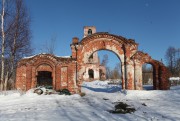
x=147, y=76
x=91, y=59
x=91, y=74
x=44, y=78
x=89, y=31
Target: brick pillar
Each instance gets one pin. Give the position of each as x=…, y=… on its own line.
x=21, y=78
x=123, y=75
x=130, y=75
x=28, y=77
x=34, y=78
x=155, y=78
x=74, y=45
x=58, y=75
x=138, y=76
x=164, y=78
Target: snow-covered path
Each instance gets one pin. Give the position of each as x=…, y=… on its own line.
x=161, y=105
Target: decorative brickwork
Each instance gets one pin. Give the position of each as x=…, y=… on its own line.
x=83, y=65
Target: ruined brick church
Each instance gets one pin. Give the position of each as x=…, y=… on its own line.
x=83, y=64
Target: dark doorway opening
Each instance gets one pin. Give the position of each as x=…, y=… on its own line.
x=44, y=78
x=91, y=74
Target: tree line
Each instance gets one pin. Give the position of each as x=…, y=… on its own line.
x=172, y=58
x=15, y=36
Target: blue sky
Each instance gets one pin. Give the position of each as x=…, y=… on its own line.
x=154, y=24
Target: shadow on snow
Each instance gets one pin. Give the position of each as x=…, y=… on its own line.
x=147, y=87
x=110, y=89
x=113, y=89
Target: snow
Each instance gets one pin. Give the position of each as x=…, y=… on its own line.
x=94, y=106
x=29, y=57
x=45, y=54
x=174, y=78
x=101, y=86
x=64, y=56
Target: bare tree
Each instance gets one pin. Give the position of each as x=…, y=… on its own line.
x=17, y=37
x=3, y=43
x=178, y=67
x=19, y=44
x=50, y=45
x=172, y=58
x=117, y=71
x=104, y=63
x=105, y=60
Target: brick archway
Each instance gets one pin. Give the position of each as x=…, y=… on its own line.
x=122, y=47
x=46, y=63
x=160, y=72
x=127, y=51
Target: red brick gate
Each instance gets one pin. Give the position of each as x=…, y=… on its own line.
x=127, y=51
x=72, y=71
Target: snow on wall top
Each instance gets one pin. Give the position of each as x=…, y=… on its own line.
x=46, y=54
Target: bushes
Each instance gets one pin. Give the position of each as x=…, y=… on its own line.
x=64, y=92
x=122, y=108
x=82, y=94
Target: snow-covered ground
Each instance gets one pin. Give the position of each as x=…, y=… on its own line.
x=94, y=106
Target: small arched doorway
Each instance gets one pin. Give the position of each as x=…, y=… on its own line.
x=44, y=78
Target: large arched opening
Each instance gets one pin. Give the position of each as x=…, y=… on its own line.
x=111, y=66
x=103, y=65
x=103, y=71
